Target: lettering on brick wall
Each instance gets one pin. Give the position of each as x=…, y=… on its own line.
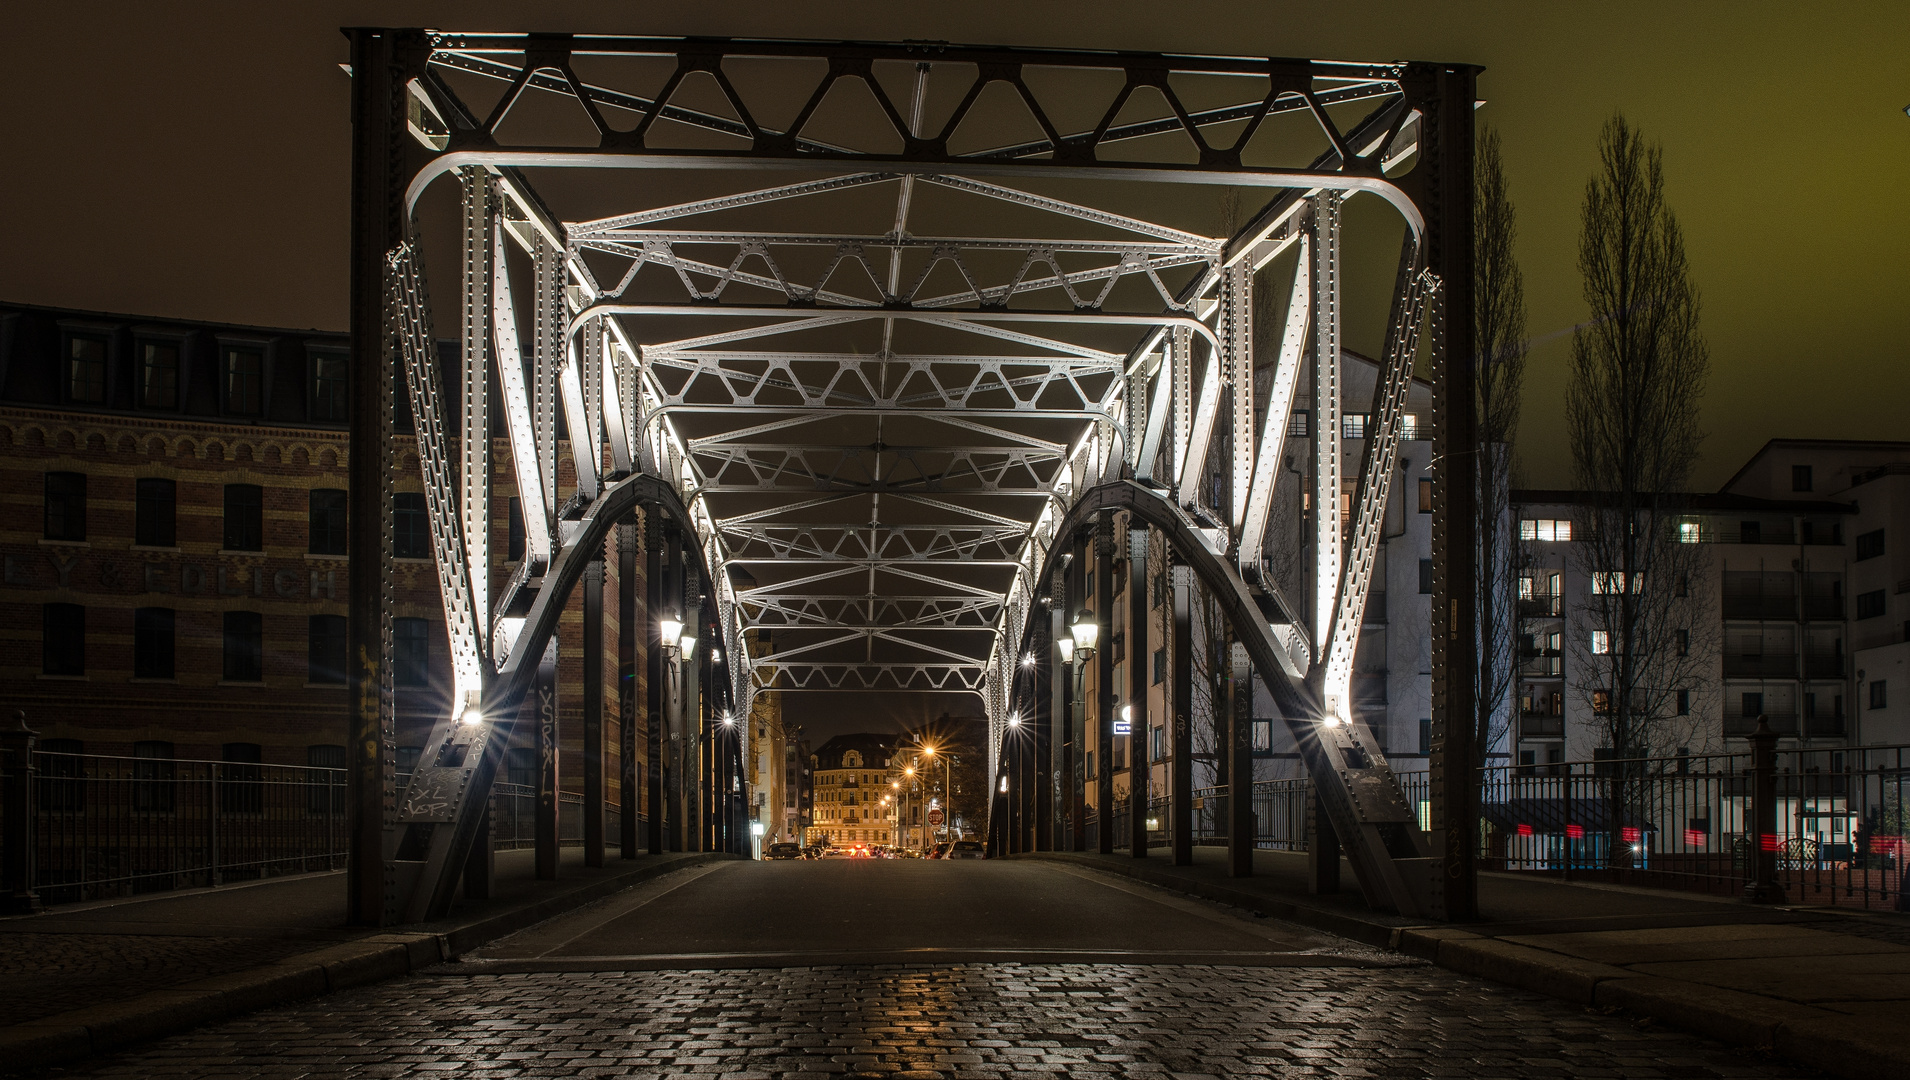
x=63, y=566
x=18, y=572
x=192, y=579
x=187, y=578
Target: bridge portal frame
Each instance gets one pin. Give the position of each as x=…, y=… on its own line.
x=409, y=128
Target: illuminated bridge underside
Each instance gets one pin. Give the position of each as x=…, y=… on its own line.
x=872, y=323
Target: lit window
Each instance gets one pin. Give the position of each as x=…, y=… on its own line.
x=1409, y=426
x=1612, y=582
x=1353, y=426
x=1601, y=642
x=1545, y=529
x=1690, y=532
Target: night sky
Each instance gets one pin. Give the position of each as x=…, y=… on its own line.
x=192, y=160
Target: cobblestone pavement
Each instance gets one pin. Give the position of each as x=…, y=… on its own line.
x=958, y=1021
x=44, y=974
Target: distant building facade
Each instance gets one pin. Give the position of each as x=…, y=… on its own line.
x=853, y=801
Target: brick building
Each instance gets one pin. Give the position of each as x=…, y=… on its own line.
x=172, y=549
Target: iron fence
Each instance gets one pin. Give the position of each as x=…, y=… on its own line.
x=514, y=817
x=105, y=827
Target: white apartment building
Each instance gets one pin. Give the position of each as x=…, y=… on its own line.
x=1800, y=609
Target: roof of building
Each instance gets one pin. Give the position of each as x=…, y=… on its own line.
x=1696, y=500
x=1813, y=444
x=875, y=748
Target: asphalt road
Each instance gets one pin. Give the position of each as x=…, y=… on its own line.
x=928, y=971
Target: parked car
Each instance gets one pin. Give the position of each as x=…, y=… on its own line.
x=783, y=851
x=967, y=849
x=940, y=851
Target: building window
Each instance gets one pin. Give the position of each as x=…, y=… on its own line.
x=244, y=517
x=1425, y=577
x=411, y=652
x=1681, y=641
x=1160, y=666
x=86, y=369
x=329, y=387
x=1879, y=694
x=244, y=380
x=158, y=374
x=1299, y=425
x=65, y=506
x=1869, y=545
x=410, y=528
x=1262, y=734
x=152, y=643
x=1601, y=701
x=62, y=639
x=1613, y=582
x=1684, y=703
x=152, y=776
x=1425, y=735
x=325, y=791
x=514, y=538
x=241, y=780
x=1800, y=478
x=1545, y=529
x=244, y=652
x=1409, y=427
x=1353, y=425
x=1751, y=704
x=1425, y=496
x=155, y=512
x=325, y=649
x=1601, y=642
x=1751, y=532
x=1870, y=604
x=325, y=522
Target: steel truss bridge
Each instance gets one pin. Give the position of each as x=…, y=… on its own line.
x=868, y=350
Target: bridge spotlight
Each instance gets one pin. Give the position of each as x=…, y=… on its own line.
x=1004, y=785
x=472, y=715
x=1014, y=720
x=1028, y=661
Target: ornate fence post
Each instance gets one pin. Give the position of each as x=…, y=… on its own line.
x=16, y=763
x=1763, y=887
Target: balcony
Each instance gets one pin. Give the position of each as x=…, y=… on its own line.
x=1824, y=607
x=1830, y=725
x=1784, y=723
x=1541, y=726
x=1760, y=666
x=1541, y=664
x=1539, y=606
x=1759, y=606
x=1824, y=665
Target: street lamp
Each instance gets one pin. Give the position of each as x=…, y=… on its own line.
x=1085, y=632
x=678, y=640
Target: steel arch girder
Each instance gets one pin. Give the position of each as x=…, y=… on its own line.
x=1356, y=786
x=422, y=889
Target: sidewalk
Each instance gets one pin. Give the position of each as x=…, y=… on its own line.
x=87, y=978
x=1823, y=987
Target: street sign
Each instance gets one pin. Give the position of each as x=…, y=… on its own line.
x=935, y=816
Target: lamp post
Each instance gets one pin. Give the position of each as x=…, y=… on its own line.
x=948, y=788
x=1077, y=650
x=678, y=643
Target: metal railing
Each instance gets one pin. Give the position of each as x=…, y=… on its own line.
x=514, y=817
x=105, y=827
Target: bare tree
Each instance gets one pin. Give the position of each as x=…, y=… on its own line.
x=1498, y=328
x=1638, y=368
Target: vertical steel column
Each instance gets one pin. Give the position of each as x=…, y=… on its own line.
x=1241, y=833
x=1322, y=848
x=547, y=362
x=1139, y=769
x=480, y=866
x=695, y=782
x=19, y=844
x=593, y=807
x=1455, y=761
x=1079, y=714
x=480, y=223
x=1180, y=671
x=546, y=823
x=1236, y=332
x=654, y=675
x=1046, y=707
x=1327, y=465
x=674, y=696
x=627, y=789
x=1104, y=685
x=377, y=225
